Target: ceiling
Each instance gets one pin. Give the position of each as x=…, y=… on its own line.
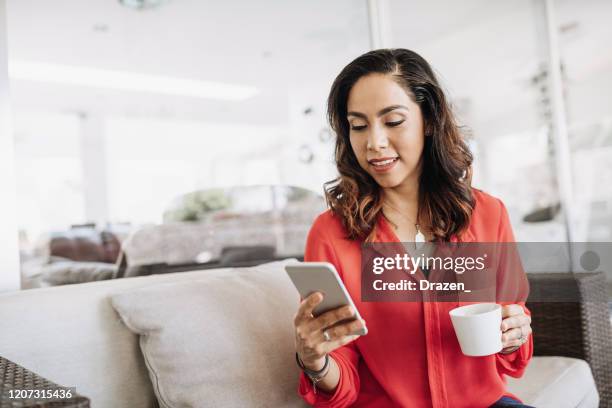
x=485, y=51
x=276, y=46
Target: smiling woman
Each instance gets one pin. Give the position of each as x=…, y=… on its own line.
x=404, y=175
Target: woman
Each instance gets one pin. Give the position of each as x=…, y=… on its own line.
x=405, y=175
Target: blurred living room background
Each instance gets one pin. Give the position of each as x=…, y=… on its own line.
x=147, y=136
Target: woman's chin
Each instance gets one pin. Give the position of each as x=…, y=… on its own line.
x=388, y=182
x=391, y=180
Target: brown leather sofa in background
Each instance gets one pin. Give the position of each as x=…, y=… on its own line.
x=81, y=254
x=85, y=245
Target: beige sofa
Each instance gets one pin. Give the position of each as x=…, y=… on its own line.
x=72, y=335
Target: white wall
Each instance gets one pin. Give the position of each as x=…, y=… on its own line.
x=9, y=254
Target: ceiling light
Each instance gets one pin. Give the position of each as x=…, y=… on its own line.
x=128, y=81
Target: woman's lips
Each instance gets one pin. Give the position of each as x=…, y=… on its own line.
x=383, y=166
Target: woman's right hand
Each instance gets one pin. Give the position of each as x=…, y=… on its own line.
x=310, y=342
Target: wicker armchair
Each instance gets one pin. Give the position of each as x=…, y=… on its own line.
x=15, y=377
x=570, y=317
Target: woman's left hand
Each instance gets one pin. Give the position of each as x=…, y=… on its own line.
x=515, y=326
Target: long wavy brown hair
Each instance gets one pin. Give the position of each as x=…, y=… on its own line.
x=445, y=193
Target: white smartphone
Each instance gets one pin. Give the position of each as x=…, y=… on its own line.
x=309, y=277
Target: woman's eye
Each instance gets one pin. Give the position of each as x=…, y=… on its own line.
x=396, y=123
x=358, y=128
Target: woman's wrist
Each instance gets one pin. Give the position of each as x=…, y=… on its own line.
x=315, y=376
x=316, y=365
x=316, y=370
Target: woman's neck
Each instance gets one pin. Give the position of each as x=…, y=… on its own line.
x=403, y=199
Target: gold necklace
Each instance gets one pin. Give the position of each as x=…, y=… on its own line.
x=419, y=238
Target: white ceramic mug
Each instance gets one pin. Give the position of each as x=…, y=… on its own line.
x=478, y=328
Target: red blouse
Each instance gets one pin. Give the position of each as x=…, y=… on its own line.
x=410, y=356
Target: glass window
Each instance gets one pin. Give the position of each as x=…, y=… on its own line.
x=489, y=58
x=185, y=96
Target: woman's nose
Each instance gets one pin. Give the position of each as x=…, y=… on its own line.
x=377, y=140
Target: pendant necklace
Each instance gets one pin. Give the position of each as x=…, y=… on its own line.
x=419, y=238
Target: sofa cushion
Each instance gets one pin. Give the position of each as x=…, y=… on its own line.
x=222, y=340
x=556, y=382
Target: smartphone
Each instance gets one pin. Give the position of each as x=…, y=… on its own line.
x=309, y=277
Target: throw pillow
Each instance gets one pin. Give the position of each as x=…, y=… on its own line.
x=223, y=340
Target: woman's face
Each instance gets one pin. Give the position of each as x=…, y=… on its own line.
x=386, y=130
